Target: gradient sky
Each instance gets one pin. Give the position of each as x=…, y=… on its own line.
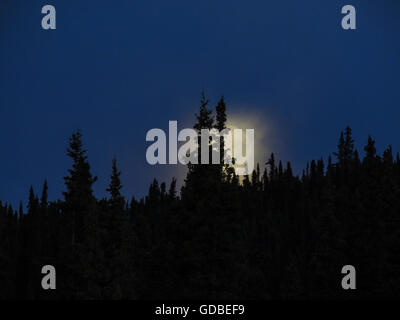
x=116, y=69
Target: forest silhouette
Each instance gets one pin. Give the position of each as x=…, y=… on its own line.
x=272, y=235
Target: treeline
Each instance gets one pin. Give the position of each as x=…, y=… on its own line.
x=273, y=235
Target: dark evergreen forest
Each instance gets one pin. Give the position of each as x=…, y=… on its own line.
x=274, y=235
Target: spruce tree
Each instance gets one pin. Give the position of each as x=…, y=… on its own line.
x=82, y=256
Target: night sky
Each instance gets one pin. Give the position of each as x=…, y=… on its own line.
x=116, y=69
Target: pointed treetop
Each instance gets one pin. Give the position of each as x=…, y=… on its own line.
x=345, y=153
x=204, y=118
x=289, y=171
x=43, y=199
x=172, y=189
x=221, y=114
x=75, y=149
x=370, y=150
x=115, y=182
x=79, y=182
x=33, y=201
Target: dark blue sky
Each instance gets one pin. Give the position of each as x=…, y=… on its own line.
x=116, y=69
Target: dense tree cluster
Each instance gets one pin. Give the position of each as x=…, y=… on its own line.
x=272, y=235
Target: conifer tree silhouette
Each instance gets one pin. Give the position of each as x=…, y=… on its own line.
x=273, y=235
